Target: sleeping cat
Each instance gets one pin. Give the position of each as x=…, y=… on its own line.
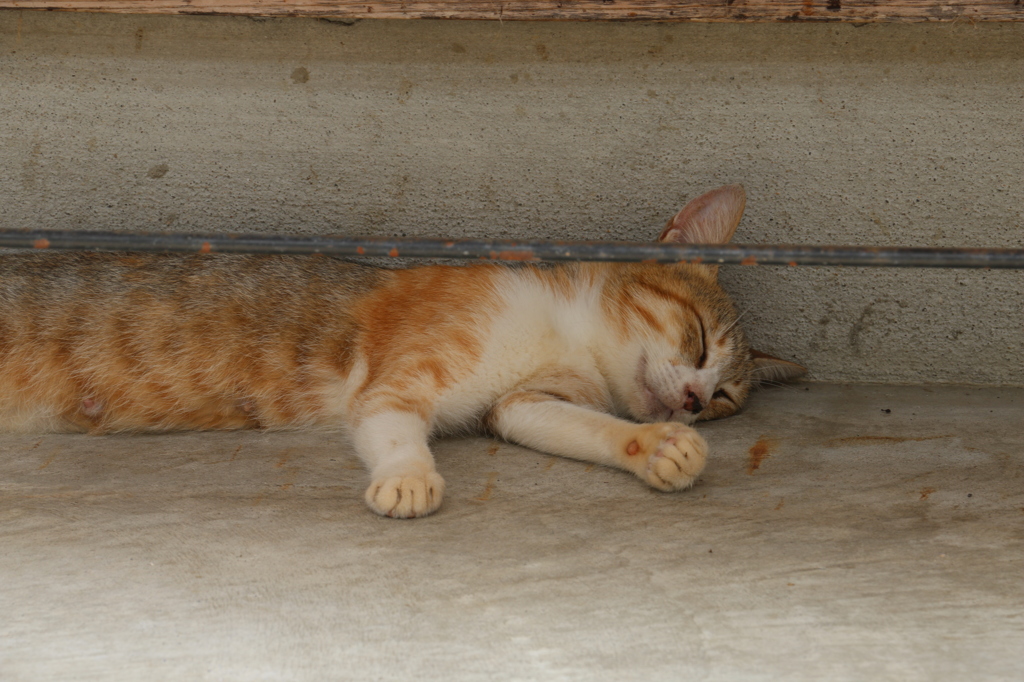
x=566, y=359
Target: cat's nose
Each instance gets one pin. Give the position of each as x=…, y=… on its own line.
x=692, y=403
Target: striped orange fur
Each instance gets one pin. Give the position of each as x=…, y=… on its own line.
x=602, y=362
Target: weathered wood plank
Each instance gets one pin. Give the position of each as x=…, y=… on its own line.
x=609, y=10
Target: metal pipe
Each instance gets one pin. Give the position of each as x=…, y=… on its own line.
x=520, y=250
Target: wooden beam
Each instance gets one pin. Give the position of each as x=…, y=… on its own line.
x=579, y=10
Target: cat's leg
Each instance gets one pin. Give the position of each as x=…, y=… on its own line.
x=668, y=456
x=404, y=483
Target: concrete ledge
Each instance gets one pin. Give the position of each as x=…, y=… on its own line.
x=839, y=532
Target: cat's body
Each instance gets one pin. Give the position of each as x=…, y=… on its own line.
x=554, y=358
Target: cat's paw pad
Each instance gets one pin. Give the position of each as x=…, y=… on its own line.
x=406, y=497
x=671, y=456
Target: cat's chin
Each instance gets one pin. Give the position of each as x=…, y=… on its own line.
x=681, y=416
x=657, y=410
x=654, y=410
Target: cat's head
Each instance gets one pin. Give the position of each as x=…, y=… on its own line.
x=687, y=358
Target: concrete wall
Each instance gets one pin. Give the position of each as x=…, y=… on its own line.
x=879, y=134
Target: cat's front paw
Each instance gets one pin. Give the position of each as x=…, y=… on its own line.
x=406, y=497
x=667, y=456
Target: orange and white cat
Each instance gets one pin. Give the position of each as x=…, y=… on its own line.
x=606, y=363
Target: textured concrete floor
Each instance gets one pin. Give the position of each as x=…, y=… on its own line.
x=839, y=532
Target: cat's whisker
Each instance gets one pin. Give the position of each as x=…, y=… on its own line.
x=778, y=384
x=735, y=322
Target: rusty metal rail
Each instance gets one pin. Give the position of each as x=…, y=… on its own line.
x=519, y=250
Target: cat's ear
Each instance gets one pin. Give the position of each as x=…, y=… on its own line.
x=711, y=218
x=769, y=369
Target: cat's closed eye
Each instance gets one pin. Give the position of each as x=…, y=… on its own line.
x=720, y=394
x=702, y=360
